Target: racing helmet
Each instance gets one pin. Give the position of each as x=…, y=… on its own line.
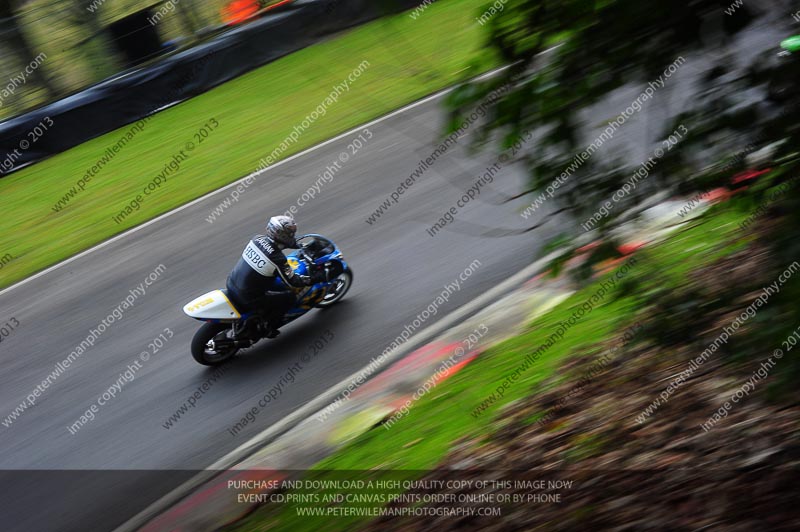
x=281, y=230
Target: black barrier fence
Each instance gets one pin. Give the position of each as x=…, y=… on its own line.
x=122, y=100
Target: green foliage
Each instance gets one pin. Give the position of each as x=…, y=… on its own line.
x=679, y=314
x=738, y=116
x=604, y=46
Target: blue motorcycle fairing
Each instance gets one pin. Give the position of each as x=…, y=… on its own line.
x=308, y=297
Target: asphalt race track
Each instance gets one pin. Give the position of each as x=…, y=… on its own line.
x=125, y=458
x=398, y=268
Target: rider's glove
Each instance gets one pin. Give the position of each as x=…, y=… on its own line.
x=323, y=273
x=318, y=275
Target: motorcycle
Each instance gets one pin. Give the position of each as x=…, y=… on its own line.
x=227, y=330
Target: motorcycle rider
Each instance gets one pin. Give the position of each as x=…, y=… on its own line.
x=252, y=283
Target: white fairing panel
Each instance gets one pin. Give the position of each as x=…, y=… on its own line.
x=212, y=306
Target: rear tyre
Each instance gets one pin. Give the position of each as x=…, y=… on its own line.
x=203, y=350
x=342, y=286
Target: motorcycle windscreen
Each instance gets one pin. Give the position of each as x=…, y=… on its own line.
x=214, y=305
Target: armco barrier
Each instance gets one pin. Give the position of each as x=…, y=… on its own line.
x=118, y=101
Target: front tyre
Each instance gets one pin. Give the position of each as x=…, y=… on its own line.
x=341, y=285
x=205, y=351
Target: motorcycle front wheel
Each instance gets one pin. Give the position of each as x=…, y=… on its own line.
x=340, y=288
x=205, y=351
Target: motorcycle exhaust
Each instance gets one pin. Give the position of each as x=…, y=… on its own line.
x=228, y=343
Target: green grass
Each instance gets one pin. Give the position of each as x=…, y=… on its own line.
x=408, y=59
x=421, y=439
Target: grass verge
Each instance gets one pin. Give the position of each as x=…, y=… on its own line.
x=407, y=59
x=444, y=416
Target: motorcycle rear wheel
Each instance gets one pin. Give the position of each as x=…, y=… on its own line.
x=203, y=350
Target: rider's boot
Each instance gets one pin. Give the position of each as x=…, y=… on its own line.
x=268, y=328
x=251, y=329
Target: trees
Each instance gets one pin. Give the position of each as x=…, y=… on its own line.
x=603, y=46
x=14, y=38
x=739, y=111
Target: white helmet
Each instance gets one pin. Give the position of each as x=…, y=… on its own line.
x=281, y=229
